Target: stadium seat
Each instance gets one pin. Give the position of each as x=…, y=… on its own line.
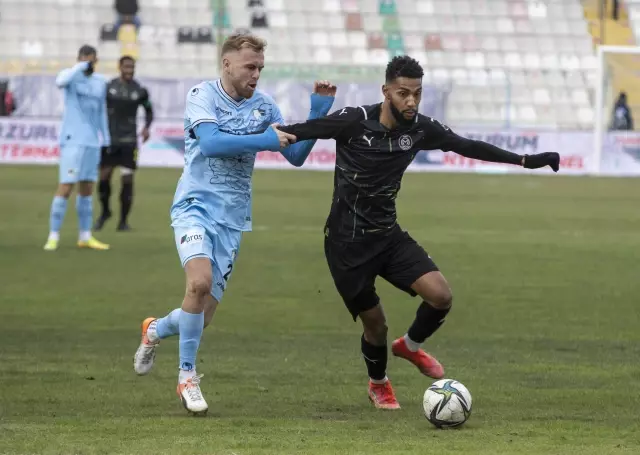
x=539, y=46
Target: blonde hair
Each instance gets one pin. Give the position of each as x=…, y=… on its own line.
x=239, y=41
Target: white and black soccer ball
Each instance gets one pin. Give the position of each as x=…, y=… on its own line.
x=447, y=403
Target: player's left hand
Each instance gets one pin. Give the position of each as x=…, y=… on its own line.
x=539, y=160
x=324, y=88
x=145, y=134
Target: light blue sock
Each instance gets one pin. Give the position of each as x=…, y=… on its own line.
x=58, y=209
x=169, y=325
x=191, y=326
x=84, y=207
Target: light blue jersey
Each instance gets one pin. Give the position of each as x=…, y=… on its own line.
x=84, y=121
x=212, y=204
x=85, y=108
x=222, y=184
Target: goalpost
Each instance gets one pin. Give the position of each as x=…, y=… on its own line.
x=604, y=98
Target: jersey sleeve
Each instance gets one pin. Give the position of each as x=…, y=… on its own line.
x=70, y=75
x=144, y=98
x=201, y=107
x=276, y=115
x=440, y=136
x=148, y=108
x=333, y=126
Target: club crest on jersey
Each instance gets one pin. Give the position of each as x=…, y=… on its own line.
x=405, y=142
x=134, y=96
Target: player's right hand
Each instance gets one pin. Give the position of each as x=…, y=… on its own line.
x=286, y=139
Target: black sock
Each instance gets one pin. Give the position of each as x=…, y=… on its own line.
x=104, y=188
x=126, y=199
x=376, y=359
x=428, y=320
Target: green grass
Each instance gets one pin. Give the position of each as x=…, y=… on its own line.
x=545, y=330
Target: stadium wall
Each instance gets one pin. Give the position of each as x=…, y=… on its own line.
x=35, y=141
x=38, y=97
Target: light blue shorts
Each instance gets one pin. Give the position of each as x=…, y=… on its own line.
x=196, y=236
x=78, y=163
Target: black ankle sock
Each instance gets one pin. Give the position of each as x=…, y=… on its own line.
x=428, y=320
x=376, y=359
x=126, y=199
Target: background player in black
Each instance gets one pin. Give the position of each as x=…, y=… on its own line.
x=375, y=145
x=124, y=96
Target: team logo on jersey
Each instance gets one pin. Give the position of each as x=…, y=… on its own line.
x=134, y=96
x=258, y=116
x=405, y=142
x=194, y=91
x=113, y=91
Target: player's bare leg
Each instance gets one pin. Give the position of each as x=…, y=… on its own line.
x=192, y=318
x=58, y=210
x=84, y=205
x=437, y=300
x=374, y=352
x=104, y=190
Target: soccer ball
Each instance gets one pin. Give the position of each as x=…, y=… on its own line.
x=447, y=403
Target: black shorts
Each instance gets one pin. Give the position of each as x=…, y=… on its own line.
x=354, y=267
x=120, y=155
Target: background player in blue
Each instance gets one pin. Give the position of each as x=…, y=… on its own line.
x=227, y=122
x=84, y=118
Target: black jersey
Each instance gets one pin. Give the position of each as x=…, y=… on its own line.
x=371, y=161
x=123, y=99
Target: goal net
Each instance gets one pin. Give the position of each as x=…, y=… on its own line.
x=616, y=150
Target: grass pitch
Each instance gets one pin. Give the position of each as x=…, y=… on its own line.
x=545, y=330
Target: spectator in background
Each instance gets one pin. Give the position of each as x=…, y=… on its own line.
x=127, y=11
x=7, y=103
x=259, y=18
x=622, y=119
x=615, y=10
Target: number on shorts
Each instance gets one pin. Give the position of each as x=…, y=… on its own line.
x=226, y=275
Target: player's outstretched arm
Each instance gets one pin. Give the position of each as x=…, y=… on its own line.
x=328, y=127
x=216, y=144
x=322, y=99
x=200, y=116
x=447, y=140
x=68, y=75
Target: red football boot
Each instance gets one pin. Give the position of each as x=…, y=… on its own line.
x=427, y=364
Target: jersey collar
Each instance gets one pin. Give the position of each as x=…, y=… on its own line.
x=226, y=95
x=373, y=124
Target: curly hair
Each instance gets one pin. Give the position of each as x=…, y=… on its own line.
x=403, y=66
